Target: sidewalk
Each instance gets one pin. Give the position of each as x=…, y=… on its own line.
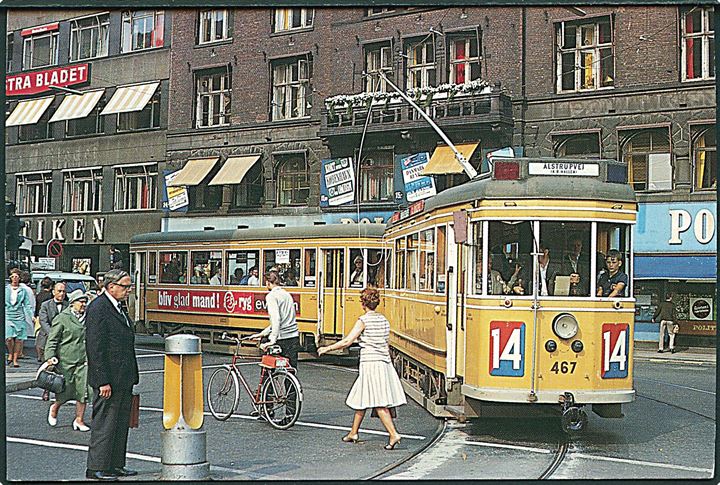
x=648, y=352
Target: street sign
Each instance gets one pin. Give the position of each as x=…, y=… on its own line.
x=54, y=248
x=45, y=264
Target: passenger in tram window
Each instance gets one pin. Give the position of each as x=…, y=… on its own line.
x=356, y=277
x=548, y=271
x=575, y=265
x=237, y=277
x=617, y=279
x=496, y=284
x=253, y=279
x=290, y=278
x=216, y=278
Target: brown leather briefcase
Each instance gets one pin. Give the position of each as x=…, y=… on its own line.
x=135, y=411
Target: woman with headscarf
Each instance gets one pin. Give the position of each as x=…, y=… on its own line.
x=18, y=311
x=65, y=348
x=378, y=385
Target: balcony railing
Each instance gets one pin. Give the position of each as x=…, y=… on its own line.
x=493, y=108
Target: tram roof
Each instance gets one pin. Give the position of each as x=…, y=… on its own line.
x=539, y=186
x=277, y=233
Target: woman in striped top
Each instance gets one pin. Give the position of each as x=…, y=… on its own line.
x=378, y=385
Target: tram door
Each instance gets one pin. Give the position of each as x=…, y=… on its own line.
x=453, y=268
x=330, y=292
x=138, y=275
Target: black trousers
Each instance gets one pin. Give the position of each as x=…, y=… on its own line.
x=109, y=430
x=290, y=347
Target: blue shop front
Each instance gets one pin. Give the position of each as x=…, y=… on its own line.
x=676, y=252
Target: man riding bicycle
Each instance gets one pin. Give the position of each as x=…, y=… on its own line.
x=283, y=329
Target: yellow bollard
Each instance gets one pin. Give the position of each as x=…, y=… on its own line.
x=183, y=391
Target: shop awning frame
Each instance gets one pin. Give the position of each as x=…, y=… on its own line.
x=75, y=106
x=128, y=99
x=234, y=169
x=443, y=159
x=29, y=111
x=194, y=171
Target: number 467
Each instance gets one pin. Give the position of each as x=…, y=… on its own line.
x=563, y=367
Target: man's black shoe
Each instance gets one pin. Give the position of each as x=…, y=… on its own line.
x=100, y=475
x=124, y=472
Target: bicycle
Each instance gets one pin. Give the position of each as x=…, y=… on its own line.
x=278, y=398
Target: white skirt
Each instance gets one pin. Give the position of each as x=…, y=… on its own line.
x=377, y=386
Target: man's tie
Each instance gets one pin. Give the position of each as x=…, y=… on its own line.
x=123, y=311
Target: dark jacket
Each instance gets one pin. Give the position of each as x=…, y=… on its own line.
x=666, y=311
x=110, y=346
x=41, y=298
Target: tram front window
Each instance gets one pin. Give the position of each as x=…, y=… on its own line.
x=509, y=265
x=564, y=266
x=613, y=261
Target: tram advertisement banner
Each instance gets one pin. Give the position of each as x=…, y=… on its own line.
x=337, y=182
x=212, y=301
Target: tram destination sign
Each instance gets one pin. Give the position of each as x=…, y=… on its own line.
x=216, y=301
x=577, y=169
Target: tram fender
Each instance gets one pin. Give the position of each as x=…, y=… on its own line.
x=608, y=410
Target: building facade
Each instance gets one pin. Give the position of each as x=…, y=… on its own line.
x=288, y=116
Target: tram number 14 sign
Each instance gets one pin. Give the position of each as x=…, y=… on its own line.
x=615, y=344
x=507, y=345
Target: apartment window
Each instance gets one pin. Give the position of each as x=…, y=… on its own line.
x=214, y=26
x=205, y=197
x=464, y=59
x=585, y=59
x=291, y=82
x=89, y=37
x=33, y=193
x=40, y=50
x=420, y=64
x=82, y=190
x=293, y=180
x=580, y=145
x=92, y=124
x=705, y=157
x=698, y=44
x=249, y=192
x=379, y=10
x=292, y=18
x=376, y=176
x=142, y=29
x=146, y=118
x=377, y=58
x=36, y=132
x=9, y=47
x=213, y=98
x=647, y=155
x=136, y=187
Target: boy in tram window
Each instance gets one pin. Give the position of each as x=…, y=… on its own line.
x=617, y=280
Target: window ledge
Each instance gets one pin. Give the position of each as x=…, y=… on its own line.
x=292, y=120
x=280, y=33
x=213, y=43
x=139, y=130
x=85, y=59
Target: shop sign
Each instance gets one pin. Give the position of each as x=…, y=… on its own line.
x=217, y=301
x=40, y=29
x=337, y=182
x=676, y=227
x=174, y=198
x=701, y=309
x=40, y=81
x=575, y=169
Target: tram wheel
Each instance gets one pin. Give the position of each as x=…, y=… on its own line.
x=573, y=420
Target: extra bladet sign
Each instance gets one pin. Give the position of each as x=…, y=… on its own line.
x=28, y=83
x=216, y=301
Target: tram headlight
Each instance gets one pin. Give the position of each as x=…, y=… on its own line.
x=550, y=346
x=565, y=326
x=577, y=346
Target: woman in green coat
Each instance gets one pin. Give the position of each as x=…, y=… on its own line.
x=65, y=348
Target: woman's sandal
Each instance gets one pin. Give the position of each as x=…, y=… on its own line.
x=391, y=444
x=351, y=439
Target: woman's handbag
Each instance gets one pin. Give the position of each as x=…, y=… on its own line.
x=49, y=379
x=135, y=411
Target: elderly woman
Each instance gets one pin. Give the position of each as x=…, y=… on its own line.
x=66, y=349
x=378, y=385
x=18, y=311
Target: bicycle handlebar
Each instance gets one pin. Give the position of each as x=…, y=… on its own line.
x=225, y=336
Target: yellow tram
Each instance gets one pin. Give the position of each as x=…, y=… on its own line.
x=501, y=298
x=207, y=282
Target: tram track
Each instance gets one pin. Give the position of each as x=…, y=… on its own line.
x=676, y=407
x=560, y=454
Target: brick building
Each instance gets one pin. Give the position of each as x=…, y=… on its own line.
x=258, y=99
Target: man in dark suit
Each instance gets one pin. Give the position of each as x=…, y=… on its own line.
x=112, y=373
x=49, y=309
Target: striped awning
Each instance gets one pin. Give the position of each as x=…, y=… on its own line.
x=131, y=98
x=194, y=172
x=28, y=112
x=443, y=159
x=234, y=170
x=75, y=106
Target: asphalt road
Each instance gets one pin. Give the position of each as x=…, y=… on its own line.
x=668, y=432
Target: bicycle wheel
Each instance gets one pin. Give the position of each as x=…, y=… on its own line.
x=282, y=399
x=223, y=392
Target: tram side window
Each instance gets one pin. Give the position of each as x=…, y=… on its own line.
x=286, y=262
x=376, y=267
x=509, y=266
x=400, y=250
x=412, y=262
x=565, y=264
x=207, y=268
x=310, y=268
x=477, y=249
x=152, y=267
x=441, y=265
x=357, y=269
x=239, y=264
x=173, y=267
x=613, y=261
x=427, y=260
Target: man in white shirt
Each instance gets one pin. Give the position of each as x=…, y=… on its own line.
x=253, y=279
